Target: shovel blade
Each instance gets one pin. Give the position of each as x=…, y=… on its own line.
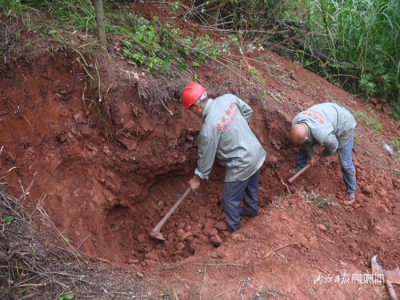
x=157, y=235
x=393, y=276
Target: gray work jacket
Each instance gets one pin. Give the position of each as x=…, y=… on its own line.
x=225, y=133
x=331, y=126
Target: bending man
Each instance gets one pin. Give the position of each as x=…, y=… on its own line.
x=331, y=126
x=225, y=133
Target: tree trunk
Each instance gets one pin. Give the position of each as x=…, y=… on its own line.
x=100, y=23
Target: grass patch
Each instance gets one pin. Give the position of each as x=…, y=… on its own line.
x=396, y=146
x=256, y=75
x=315, y=199
x=373, y=123
x=357, y=139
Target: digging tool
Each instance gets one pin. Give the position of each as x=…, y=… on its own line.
x=155, y=233
x=390, y=276
x=301, y=171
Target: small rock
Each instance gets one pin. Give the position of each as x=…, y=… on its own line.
x=171, y=237
x=193, y=244
x=216, y=240
x=273, y=159
x=383, y=193
x=210, y=223
x=148, y=248
x=186, y=235
x=238, y=237
x=180, y=246
x=227, y=234
x=221, y=225
x=203, y=238
x=80, y=118
x=369, y=189
x=151, y=255
x=214, y=255
x=210, y=232
x=86, y=130
x=180, y=233
x=167, y=244
x=141, y=238
x=322, y=227
x=305, y=245
x=133, y=261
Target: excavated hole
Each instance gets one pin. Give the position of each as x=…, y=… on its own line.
x=197, y=226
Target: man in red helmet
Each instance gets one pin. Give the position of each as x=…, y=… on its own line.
x=225, y=133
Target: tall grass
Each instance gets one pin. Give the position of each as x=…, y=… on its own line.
x=361, y=39
x=77, y=14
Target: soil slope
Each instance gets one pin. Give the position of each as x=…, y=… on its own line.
x=107, y=165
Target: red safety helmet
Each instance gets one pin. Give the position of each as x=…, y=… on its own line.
x=192, y=93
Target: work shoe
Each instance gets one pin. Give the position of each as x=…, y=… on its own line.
x=243, y=214
x=351, y=197
x=294, y=170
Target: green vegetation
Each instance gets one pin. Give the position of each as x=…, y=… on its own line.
x=256, y=75
x=9, y=219
x=66, y=296
x=396, y=146
x=160, y=48
x=327, y=200
x=312, y=198
x=355, y=43
x=374, y=124
x=309, y=198
x=357, y=138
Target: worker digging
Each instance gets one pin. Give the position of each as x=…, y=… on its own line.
x=329, y=125
x=225, y=133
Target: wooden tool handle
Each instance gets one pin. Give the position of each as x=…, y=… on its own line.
x=162, y=222
x=301, y=171
x=391, y=291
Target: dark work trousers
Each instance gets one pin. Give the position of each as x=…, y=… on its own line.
x=232, y=196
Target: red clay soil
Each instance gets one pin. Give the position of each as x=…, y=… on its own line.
x=106, y=180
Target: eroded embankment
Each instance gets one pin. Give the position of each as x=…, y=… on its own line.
x=107, y=171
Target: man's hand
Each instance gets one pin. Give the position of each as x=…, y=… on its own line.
x=194, y=182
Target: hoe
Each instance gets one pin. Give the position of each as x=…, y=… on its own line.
x=155, y=233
